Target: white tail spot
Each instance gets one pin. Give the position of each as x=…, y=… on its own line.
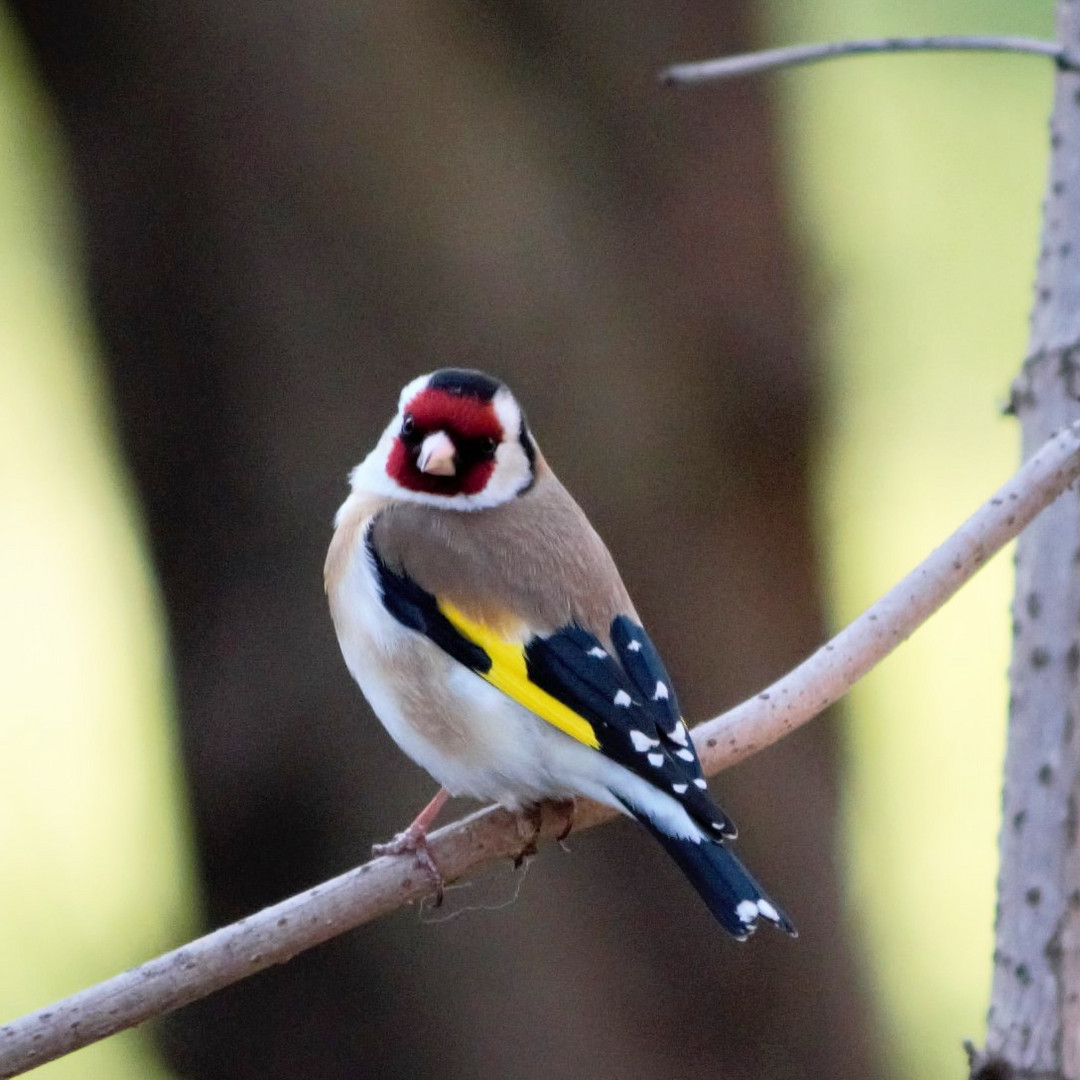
x=699, y=782
x=747, y=911
x=679, y=789
x=686, y=754
x=597, y=652
x=768, y=910
x=634, y=646
x=623, y=699
x=656, y=760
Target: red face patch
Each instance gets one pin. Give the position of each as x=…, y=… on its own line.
x=471, y=425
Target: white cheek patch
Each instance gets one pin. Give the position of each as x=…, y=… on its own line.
x=511, y=475
x=508, y=414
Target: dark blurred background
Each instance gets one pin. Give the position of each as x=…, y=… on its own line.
x=286, y=211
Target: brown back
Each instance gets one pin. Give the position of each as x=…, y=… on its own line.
x=535, y=561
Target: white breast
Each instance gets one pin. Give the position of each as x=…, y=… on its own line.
x=472, y=738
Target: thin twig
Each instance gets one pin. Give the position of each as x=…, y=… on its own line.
x=731, y=67
x=278, y=933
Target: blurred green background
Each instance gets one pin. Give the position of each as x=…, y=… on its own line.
x=920, y=179
x=916, y=183
x=93, y=857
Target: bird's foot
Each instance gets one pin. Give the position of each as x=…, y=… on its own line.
x=567, y=808
x=413, y=841
x=530, y=820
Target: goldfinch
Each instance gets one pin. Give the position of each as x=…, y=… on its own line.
x=489, y=630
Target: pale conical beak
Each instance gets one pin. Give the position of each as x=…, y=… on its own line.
x=437, y=455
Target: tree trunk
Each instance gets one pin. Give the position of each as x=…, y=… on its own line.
x=1034, y=1017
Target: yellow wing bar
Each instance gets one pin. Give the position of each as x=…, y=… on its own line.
x=508, y=673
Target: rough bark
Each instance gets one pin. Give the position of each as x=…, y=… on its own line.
x=1034, y=1017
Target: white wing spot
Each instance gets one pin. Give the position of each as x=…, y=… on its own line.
x=699, y=782
x=679, y=789
x=768, y=910
x=678, y=734
x=747, y=911
x=686, y=754
x=656, y=760
x=642, y=742
x=661, y=693
x=597, y=652
x=634, y=646
x=623, y=699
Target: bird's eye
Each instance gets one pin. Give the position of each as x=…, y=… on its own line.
x=408, y=425
x=488, y=447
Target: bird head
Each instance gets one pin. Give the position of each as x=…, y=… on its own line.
x=459, y=440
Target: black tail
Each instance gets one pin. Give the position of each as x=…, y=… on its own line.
x=727, y=887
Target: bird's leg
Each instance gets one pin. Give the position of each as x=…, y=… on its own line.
x=413, y=841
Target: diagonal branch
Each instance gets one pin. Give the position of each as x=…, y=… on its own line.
x=732, y=67
x=278, y=933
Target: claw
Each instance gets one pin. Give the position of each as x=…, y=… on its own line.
x=566, y=807
x=531, y=817
x=530, y=821
x=413, y=841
